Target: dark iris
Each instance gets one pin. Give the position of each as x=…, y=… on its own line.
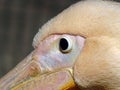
x=63, y=44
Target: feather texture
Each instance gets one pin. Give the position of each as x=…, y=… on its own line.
x=99, y=22
x=86, y=18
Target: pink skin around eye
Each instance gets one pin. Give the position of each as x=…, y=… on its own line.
x=50, y=58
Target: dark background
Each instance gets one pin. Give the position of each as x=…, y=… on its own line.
x=19, y=22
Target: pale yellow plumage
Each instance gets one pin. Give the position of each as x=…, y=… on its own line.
x=86, y=18
x=98, y=65
x=99, y=22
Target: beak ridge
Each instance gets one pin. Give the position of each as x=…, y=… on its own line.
x=59, y=80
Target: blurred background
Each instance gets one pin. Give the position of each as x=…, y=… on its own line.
x=19, y=22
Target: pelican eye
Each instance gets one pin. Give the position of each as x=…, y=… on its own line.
x=65, y=45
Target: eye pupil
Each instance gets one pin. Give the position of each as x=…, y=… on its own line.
x=63, y=44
